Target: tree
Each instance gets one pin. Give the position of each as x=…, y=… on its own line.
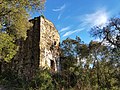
x=70, y=51
x=109, y=61
x=68, y=63
x=74, y=74
x=87, y=66
x=111, y=32
x=14, y=15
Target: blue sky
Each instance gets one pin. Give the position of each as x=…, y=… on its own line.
x=76, y=17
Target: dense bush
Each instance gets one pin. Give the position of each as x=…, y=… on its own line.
x=41, y=81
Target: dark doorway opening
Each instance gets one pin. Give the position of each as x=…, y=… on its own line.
x=52, y=65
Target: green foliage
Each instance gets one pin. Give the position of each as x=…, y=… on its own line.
x=88, y=67
x=14, y=15
x=41, y=81
x=7, y=47
x=14, y=23
x=10, y=79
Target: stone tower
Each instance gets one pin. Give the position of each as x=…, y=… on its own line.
x=46, y=37
x=40, y=49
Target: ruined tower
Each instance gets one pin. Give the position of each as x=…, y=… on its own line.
x=40, y=49
x=45, y=38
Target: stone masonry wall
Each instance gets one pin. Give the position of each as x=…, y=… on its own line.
x=49, y=44
x=27, y=59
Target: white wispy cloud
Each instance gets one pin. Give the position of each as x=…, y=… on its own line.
x=98, y=18
x=71, y=32
x=65, y=29
x=59, y=16
x=59, y=9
